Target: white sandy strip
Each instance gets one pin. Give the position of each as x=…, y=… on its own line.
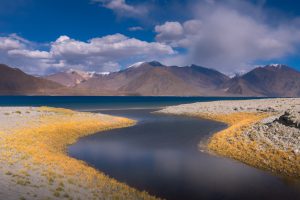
x=277, y=105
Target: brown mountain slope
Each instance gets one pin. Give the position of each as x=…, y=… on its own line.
x=155, y=79
x=66, y=79
x=14, y=81
x=239, y=86
x=71, y=77
x=200, y=76
x=114, y=81
x=158, y=81
x=271, y=80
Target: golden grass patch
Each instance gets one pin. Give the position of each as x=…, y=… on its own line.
x=42, y=149
x=232, y=143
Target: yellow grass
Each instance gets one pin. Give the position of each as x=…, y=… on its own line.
x=232, y=143
x=42, y=150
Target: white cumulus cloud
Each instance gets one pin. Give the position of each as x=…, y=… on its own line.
x=169, y=32
x=121, y=8
x=7, y=43
x=97, y=54
x=35, y=54
x=178, y=34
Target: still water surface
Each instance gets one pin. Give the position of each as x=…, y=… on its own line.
x=160, y=155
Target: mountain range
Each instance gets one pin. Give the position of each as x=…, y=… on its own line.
x=155, y=79
x=15, y=82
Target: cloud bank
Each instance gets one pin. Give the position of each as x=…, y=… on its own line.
x=230, y=37
x=97, y=54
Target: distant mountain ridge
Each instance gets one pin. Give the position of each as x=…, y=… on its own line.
x=71, y=77
x=155, y=79
x=271, y=80
x=13, y=81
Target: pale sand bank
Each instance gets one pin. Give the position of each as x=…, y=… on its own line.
x=263, y=133
x=33, y=161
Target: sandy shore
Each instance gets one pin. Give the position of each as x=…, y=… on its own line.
x=263, y=133
x=33, y=160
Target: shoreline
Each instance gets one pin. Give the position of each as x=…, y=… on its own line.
x=249, y=135
x=33, y=159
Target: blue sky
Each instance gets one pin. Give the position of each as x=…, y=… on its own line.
x=45, y=36
x=45, y=21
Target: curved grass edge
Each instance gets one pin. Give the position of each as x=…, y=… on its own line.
x=232, y=143
x=36, y=159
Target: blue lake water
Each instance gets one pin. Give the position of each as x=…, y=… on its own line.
x=160, y=154
x=106, y=102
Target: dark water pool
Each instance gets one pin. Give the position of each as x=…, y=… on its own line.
x=160, y=155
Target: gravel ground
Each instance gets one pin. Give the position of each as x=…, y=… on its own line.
x=276, y=106
x=283, y=132
x=17, y=117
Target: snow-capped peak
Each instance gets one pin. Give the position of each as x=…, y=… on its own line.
x=83, y=74
x=103, y=73
x=152, y=63
x=237, y=74
x=278, y=66
x=135, y=65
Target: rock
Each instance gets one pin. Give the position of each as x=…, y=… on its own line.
x=290, y=118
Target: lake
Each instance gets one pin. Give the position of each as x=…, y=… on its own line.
x=160, y=154
x=94, y=103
